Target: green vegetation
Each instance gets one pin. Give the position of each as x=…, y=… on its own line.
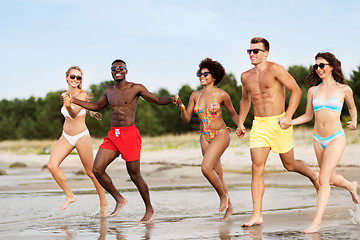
x=40, y=118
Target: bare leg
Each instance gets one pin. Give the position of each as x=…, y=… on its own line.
x=258, y=157
x=60, y=151
x=133, y=169
x=212, y=153
x=330, y=158
x=84, y=148
x=103, y=158
x=299, y=166
x=340, y=181
x=229, y=211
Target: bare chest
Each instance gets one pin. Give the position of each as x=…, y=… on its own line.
x=261, y=84
x=122, y=98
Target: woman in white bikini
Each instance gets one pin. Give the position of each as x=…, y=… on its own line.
x=325, y=100
x=75, y=135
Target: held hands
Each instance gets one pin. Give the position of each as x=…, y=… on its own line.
x=96, y=115
x=179, y=103
x=240, y=131
x=284, y=123
x=66, y=98
x=352, y=125
x=175, y=99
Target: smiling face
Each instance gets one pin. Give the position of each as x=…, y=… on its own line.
x=324, y=72
x=74, y=78
x=205, y=77
x=119, y=71
x=260, y=56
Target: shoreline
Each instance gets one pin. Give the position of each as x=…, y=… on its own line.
x=185, y=203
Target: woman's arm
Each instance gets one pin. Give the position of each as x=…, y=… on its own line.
x=349, y=99
x=230, y=108
x=186, y=113
x=74, y=110
x=309, y=112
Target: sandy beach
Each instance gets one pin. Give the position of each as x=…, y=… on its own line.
x=186, y=205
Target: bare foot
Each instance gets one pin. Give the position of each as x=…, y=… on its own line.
x=118, y=207
x=312, y=229
x=228, y=212
x=316, y=182
x=224, y=203
x=253, y=221
x=103, y=209
x=147, y=217
x=67, y=202
x=353, y=192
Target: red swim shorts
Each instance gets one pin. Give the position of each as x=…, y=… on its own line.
x=126, y=141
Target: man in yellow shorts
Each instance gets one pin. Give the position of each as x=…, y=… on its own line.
x=266, y=132
x=265, y=84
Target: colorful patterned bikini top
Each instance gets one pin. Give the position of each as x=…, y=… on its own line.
x=333, y=104
x=207, y=114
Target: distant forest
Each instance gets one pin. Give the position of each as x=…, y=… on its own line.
x=40, y=118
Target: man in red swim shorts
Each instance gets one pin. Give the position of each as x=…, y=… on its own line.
x=126, y=141
x=123, y=138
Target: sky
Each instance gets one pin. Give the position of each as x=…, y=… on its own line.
x=163, y=41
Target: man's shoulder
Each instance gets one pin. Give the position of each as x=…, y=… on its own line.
x=247, y=73
x=134, y=85
x=275, y=66
x=109, y=88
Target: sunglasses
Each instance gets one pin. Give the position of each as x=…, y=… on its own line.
x=199, y=74
x=72, y=76
x=121, y=68
x=321, y=66
x=255, y=50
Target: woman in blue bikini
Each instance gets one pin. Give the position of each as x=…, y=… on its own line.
x=325, y=100
x=75, y=135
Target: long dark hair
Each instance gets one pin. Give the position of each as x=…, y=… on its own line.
x=313, y=78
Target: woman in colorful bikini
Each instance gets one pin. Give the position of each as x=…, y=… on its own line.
x=75, y=135
x=325, y=99
x=214, y=135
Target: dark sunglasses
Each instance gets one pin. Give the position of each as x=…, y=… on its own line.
x=199, y=74
x=121, y=68
x=255, y=50
x=321, y=66
x=72, y=76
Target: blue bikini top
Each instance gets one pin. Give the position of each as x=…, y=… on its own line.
x=333, y=104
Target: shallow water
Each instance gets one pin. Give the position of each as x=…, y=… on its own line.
x=181, y=213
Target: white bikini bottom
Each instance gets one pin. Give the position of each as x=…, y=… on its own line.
x=73, y=139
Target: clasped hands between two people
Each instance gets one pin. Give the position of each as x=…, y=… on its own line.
x=283, y=122
x=240, y=130
x=67, y=98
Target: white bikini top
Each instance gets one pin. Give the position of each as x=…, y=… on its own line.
x=65, y=112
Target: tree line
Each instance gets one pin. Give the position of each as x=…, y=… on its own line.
x=40, y=118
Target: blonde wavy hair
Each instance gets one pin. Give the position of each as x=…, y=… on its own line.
x=95, y=115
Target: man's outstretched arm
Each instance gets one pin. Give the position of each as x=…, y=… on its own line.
x=150, y=97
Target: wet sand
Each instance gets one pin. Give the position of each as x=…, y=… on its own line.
x=186, y=206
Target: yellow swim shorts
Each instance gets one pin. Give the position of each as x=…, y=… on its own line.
x=266, y=132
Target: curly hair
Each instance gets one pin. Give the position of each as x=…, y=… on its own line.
x=215, y=68
x=313, y=78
